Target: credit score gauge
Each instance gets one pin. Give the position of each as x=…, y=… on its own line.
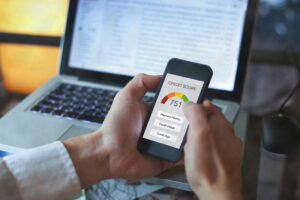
x=175, y=94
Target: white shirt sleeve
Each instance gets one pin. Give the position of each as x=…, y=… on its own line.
x=45, y=172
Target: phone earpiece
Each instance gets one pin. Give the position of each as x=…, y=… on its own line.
x=281, y=134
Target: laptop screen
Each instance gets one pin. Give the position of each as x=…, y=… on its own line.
x=126, y=37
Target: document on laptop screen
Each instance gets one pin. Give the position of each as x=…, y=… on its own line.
x=127, y=37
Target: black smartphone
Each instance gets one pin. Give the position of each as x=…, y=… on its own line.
x=164, y=131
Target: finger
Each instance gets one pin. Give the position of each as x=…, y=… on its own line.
x=195, y=113
x=209, y=106
x=147, y=106
x=199, y=126
x=141, y=84
x=166, y=165
x=180, y=162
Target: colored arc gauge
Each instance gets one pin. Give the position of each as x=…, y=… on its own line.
x=174, y=94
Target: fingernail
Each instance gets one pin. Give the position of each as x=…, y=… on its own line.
x=206, y=102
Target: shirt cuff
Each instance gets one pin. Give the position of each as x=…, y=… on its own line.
x=45, y=172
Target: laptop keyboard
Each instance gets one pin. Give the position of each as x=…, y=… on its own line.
x=78, y=102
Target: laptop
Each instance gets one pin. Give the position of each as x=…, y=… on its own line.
x=107, y=42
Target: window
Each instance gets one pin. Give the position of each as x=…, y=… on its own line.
x=29, y=36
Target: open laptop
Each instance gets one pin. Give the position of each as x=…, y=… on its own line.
x=107, y=42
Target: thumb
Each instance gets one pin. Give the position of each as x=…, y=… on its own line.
x=141, y=84
x=195, y=113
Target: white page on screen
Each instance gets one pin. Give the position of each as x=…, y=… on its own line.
x=127, y=37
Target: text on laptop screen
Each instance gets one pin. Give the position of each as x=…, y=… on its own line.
x=127, y=37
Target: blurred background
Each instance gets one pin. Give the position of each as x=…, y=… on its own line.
x=30, y=33
x=274, y=64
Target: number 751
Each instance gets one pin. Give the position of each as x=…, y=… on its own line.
x=175, y=103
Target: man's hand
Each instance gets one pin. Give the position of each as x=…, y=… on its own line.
x=111, y=151
x=212, y=154
x=121, y=130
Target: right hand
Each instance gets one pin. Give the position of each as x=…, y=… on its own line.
x=212, y=154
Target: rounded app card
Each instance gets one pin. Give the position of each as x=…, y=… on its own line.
x=167, y=124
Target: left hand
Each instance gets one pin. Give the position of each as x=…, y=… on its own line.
x=111, y=151
x=121, y=130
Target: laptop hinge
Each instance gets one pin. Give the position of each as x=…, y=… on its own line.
x=105, y=82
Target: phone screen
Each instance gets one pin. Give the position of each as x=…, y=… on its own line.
x=167, y=123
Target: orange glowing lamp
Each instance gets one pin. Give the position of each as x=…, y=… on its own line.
x=26, y=66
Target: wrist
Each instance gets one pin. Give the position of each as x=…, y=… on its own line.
x=89, y=158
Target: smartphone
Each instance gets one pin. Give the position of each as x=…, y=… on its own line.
x=165, y=128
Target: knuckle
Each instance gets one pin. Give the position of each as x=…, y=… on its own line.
x=140, y=76
x=140, y=80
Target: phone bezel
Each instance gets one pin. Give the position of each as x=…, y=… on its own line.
x=182, y=68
